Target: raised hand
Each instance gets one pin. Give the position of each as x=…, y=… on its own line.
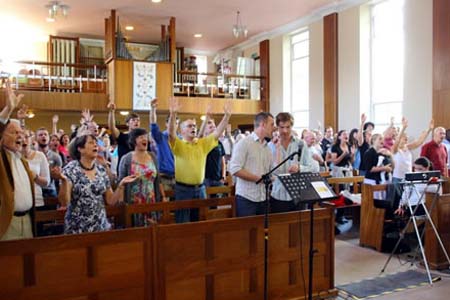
x=86, y=115
x=111, y=105
x=404, y=122
x=363, y=118
x=13, y=100
x=227, y=108
x=55, y=119
x=22, y=112
x=431, y=124
x=174, y=105
x=154, y=103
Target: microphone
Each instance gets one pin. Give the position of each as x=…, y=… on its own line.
x=299, y=152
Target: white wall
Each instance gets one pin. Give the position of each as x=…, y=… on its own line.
x=418, y=79
x=316, y=105
x=348, y=51
x=276, y=75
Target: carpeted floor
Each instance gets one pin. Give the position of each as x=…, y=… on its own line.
x=385, y=284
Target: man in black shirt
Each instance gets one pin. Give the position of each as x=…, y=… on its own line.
x=215, y=170
x=133, y=121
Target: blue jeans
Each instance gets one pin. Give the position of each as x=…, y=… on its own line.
x=188, y=193
x=245, y=207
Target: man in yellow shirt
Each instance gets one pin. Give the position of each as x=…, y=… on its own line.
x=190, y=155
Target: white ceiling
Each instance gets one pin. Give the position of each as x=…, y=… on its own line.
x=212, y=18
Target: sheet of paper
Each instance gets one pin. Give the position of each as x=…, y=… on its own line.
x=322, y=189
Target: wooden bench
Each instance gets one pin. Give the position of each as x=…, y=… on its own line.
x=441, y=219
x=354, y=208
x=216, y=259
x=225, y=209
x=372, y=218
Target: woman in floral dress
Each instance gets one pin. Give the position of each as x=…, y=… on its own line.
x=143, y=164
x=85, y=187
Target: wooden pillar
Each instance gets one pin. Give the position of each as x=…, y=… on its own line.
x=110, y=37
x=264, y=60
x=330, y=65
x=441, y=62
x=173, y=48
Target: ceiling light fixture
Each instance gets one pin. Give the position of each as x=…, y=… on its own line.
x=238, y=28
x=56, y=9
x=129, y=28
x=198, y=35
x=124, y=113
x=156, y=1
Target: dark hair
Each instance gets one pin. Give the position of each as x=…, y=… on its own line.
x=261, y=117
x=367, y=124
x=134, y=134
x=352, y=141
x=131, y=116
x=284, y=117
x=62, y=137
x=79, y=142
x=424, y=162
x=338, y=140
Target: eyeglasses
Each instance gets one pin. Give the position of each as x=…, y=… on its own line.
x=191, y=125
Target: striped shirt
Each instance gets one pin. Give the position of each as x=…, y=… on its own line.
x=255, y=157
x=279, y=154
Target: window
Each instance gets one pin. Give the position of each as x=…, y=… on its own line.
x=386, y=62
x=202, y=67
x=299, y=101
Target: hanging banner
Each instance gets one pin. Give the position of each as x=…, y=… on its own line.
x=144, y=84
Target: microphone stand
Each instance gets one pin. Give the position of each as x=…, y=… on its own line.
x=267, y=181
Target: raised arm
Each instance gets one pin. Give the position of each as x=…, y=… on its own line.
x=112, y=120
x=152, y=113
x=224, y=123
x=55, y=120
x=208, y=117
x=421, y=139
x=400, y=135
x=174, y=107
x=360, y=135
x=12, y=101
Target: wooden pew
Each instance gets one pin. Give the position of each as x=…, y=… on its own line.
x=223, y=259
x=116, y=213
x=114, y=265
x=441, y=219
x=166, y=208
x=336, y=181
x=372, y=218
x=217, y=259
x=356, y=181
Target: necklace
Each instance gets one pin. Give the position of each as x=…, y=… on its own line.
x=87, y=169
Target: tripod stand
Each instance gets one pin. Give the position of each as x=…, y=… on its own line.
x=412, y=188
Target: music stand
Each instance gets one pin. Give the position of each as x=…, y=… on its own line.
x=412, y=187
x=308, y=188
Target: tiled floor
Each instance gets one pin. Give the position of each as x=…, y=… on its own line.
x=354, y=263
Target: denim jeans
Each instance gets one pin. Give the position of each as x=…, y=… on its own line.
x=245, y=207
x=187, y=193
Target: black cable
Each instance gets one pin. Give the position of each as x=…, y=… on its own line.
x=301, y=251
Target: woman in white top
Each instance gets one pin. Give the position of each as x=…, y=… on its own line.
x=38, y=164
x=402, y=151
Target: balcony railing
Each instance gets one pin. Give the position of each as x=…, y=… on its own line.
x=57, y=77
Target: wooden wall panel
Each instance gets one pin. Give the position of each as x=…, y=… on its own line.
x=330, y=64
x=264, y=54
x=441, y=62
x=123, y=83
x=58, y=101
